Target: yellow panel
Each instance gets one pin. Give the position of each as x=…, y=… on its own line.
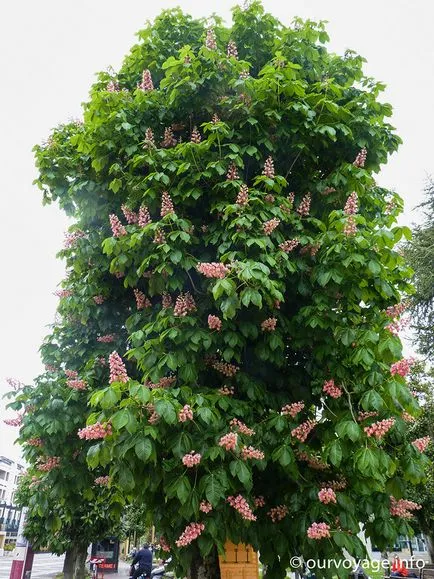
x=239, y=562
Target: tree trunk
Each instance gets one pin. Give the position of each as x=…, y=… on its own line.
x=207, y=568
x=430, y=546
x=68, y=564
x=80, y=562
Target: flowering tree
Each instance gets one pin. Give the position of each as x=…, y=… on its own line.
x=234, y=253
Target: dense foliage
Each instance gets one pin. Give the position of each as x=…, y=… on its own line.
x=250, y=290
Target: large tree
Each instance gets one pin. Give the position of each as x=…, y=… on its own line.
x=251, y=291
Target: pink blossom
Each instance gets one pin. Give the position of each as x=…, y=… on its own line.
x=229, y=441
x=232, y=174
x=214, y=323
x=407, y=417
x=184, y=305
x=168, y=138
x=213, y=270
x=146, y=84
x=164, y=545
x=63, y=293
x=166, y=204
x=48, y=464
x=248, y=452
x=130, y=216
x=269, y=198
x=191, y=459
x=118, y=372
x=215, y=119
x=328, y=190
x=195, y=136
x=205, y=507
x=95, y=431
x=71, y=238
x=163, y=382
x=289, y=245
x=331, y=389
x=241, y=427
x=50, y=368
x=225, y=368
x=402, y=368
x=102, y=480
x=243, y=195
x=269, y=325
x=190, y=533
x=186, y=413
x=379, y=429
x=144, y=218
x=226, y=390
x=319, y=531
x=268, y=170
x=159, y=237
x=403, y=508
x=118, y=229
x=292, y=409
x=112, y=86
x=350, y=228
x=149, y=138
x=421, y=443
x=142, y=301
x=278, y=513
x=232, y=49
x=304, y=208
x=240, y=504
x=106, y=339
x=37, y=442
x=365, y=415
x=166, y=301
x=259, y=501
x=210, y=41
x=360, y=159
x=313, y=462
x=17, y=421
x=327, y=495
x=337, y=484
x=71, y=373
x=352, y=204
x=99, y=299
x=302, y=432
x=270, y=225
x=76, y=384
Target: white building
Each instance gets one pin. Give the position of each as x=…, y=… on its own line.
x=10, y=514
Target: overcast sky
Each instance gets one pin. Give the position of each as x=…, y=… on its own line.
x=49, y=53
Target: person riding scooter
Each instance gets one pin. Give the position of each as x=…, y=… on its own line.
x=143, y=560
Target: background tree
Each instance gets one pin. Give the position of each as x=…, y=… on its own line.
x=420, y=254
x=254, y=282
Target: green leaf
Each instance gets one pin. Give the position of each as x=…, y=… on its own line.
x=335, y=453
x=214, y=490
x=143, y=449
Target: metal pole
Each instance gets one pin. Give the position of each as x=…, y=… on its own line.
x=23, y=554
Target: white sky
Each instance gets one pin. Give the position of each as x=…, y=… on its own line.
x=49, y=53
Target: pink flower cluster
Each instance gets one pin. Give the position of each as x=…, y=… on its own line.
x=249, y=452
x=241, y=427
x=146, y=84
x=232, y=49
x=50, y=463
x=130, y=216
x=144, y=216
x=403, y=508
x=379, y=429
x=268, y=170
x=397, y=325
x=319, y=531
x=225, y=368
x=166, y=204
x=313, y=461
x=352, y=204
x=118, y=372
x=210, y=41
x=270, y=225
x=240, y=504
x=99, y=300
x=330, y=388
x=214, y=323
x=327, y=495
x=76, y=384
x=71, y=238
x=118, y=229
x=226, y=390
x=159, y=237
x=215, y=119
x=304, y=208
x=292, y=409
x=350, y=228
x=232, y=174
x=269, y=325
x=364, y=415
x=168, y=138
x=142, y=301
x=360, y=159
x=213, y=270
x=243, y=195
x=402, y=368
x=95, y=431
x=163, y=382
x=205, y=507
x=229, y=441
x=191, y=459
x=278, y=513
x=71, y=373
x=106, y=339
x=149, y=140
x=302, y=432
x=186, y=413
x=102, y=480
x=269, y=198
x=166, y=301
x=421, y=443
x=164, y=545
x=50, y=368
x=195, y=136
x=63, y=293
x=408, y=417
x=190, y=533
x=184, y=305
x=17, y=421
x=337, y=484
x=259, y=501
x=37, y=442
x=289, y=245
